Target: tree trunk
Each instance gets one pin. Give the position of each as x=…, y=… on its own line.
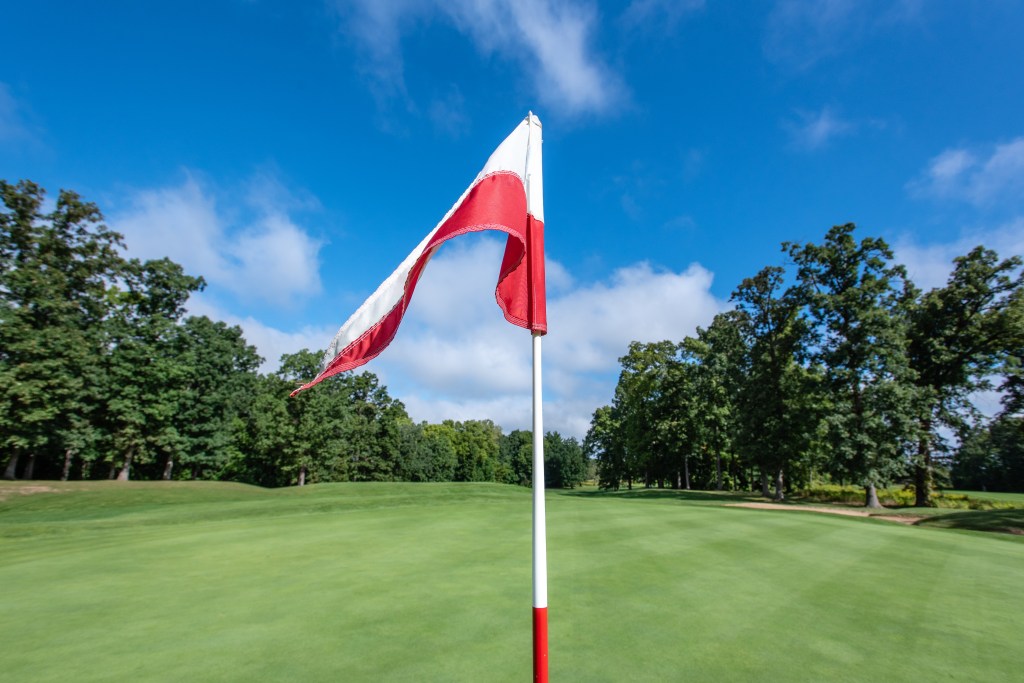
x=779, y=493
x=718, y=471
x=168, y=468
x=302, y=476
x=679, y=479
x=113, y=470
x=923, y=469
x=871, y=497
x=66, y=472
x=11, y=471
x=686, y=472
x=30, y=467
x=126, y=470
x=765, y=488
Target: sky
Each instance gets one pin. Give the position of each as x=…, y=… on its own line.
x=293, y=153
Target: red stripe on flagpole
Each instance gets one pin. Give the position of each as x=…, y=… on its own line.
x=540, y=644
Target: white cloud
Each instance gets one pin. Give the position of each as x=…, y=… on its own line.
x=448, y=112
x=271, y=342
x=663, y=13
x=989, y=179
x=14, y=126
x=800, y=33
x=550, y=40
x=982, y=177
x=253, y=249
x=815, y=130
x=456, y=356
x=929, y=265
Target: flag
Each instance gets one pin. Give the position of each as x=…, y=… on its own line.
x=507, y=196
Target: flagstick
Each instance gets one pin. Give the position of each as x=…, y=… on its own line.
x=540, y=552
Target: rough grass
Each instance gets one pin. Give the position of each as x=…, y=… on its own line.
x=1015, y=498
x=406, y=582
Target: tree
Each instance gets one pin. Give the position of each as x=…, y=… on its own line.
x=991, y=458
x=263, y=431
x=777, y=416
x=604, y=444
x=349, y=429
x=476, y=449
x=646, y=415
x=704, y=388
x=55, y=272
x=219, y=373
x=312, y=452
x=426, y=453
x=1012, y=387
x=371, y=436
x=857, y=301
x=516, y=455
x=565, y=465
x=959, y=336
x=145, y=375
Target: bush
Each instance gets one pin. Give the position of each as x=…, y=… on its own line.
x=899, y=497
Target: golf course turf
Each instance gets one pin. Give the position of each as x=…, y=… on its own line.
x=106, y=581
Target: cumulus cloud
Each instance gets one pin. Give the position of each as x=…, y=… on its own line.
x=456, y=356
x=814, y=130
x=929, y=265
x=990, y=180
x=983, y=177
x=253, y=249
x=550, y=40
x=271, y=342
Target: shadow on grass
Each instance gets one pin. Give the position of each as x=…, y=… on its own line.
x=691, y=496
x=1002, y=521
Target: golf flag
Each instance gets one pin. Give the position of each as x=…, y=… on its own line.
x=507, y=196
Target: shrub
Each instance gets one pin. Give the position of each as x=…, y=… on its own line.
x=899, y=497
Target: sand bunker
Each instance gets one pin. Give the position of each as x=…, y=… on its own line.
x=7, y=491
x=902, y=519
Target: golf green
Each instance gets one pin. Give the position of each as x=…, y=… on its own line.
x=424, y=582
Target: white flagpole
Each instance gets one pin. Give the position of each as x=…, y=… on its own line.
x=540, y=545
x=540, y=552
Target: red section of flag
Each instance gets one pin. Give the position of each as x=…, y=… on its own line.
x=496, y=202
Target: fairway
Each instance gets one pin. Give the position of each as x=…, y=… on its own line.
x=425, y=582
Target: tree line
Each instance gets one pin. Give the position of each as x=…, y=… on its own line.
x=835, y=368
x=104, y=375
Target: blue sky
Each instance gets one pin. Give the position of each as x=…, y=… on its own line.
x=294, y=152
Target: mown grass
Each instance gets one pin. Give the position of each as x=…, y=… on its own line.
x=997, y=521
x=424, y=582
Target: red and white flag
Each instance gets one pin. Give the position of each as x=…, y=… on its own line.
x=508, y=196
